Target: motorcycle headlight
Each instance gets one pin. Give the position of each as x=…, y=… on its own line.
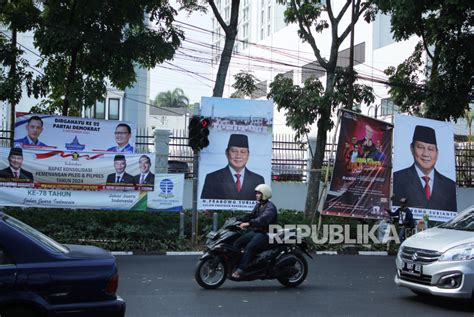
x=463, y=252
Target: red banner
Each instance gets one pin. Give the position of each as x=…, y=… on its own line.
x=360, y=185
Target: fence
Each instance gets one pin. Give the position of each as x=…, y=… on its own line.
x=289, y=157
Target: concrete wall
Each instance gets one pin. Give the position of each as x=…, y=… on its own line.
x=289, y=195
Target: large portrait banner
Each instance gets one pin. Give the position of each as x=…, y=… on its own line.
x=360, y=184
x=239, y=155
x=53, y=169
x=73, y=133
x=424, y=167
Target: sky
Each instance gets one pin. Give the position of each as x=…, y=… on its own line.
x=194, y=56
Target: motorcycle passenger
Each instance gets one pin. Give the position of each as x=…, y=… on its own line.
x=263, y=215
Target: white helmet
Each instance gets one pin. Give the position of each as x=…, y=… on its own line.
x=265, y=190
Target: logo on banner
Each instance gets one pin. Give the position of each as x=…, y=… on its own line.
x=75, y=156
x=166, y=187
x=75, y=145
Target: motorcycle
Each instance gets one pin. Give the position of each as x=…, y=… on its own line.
x=282, y=261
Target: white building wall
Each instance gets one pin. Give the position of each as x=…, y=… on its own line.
x=284, y=51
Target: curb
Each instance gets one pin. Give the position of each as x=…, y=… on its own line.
x=178, y=253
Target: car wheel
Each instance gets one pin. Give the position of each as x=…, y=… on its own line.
x=15, y=311
x=210, y=272
x=301, y=266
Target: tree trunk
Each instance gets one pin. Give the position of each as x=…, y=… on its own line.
x=224, y=65
x=12, y=76
x=312, y=198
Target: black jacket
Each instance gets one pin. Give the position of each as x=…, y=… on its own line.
x=125, y=179
x=406, y=183
x=7, y=174
x=263, y=214
x=405, y=214
x=221, y=185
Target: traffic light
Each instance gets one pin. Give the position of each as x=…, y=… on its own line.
x=198, y=132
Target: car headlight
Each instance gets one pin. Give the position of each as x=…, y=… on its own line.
x=461, y=252
x=399, y=253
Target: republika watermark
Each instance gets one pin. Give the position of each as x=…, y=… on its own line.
x=333, y=234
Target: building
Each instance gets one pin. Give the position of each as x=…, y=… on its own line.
x=267, y=47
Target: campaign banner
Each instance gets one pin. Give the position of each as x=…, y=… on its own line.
x=73, y=133
x=53, y=169
x=360, y=184
x=239, y=155
x=424, y=169
x=104, y=200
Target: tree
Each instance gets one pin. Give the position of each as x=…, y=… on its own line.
x=84, y=44
x=313, y=102
x=245, y=84
x=440, y=87
x=17, y=16
x=173, y=99
x=230, y=31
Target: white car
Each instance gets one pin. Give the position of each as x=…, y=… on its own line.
x=440, y=261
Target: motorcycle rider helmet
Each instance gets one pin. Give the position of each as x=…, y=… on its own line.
x=265, y=190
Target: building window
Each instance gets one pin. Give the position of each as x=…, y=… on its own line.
x=99, y=112
x=269, y=14
x=88, y=112
x=114, y=106
x=245, y=30
x=269, y=28
x=388, y=108
x=246, y=14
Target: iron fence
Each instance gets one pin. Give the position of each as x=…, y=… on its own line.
x=290, y=158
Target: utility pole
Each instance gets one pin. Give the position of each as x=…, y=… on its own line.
x=351, y=60
x=12, y=75
x=194, y=219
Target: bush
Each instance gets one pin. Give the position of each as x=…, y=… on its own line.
x=145, y=231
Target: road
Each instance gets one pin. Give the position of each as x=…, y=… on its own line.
x=341, y=285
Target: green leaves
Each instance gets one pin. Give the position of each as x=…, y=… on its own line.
x=84, y=44
x=245, y=84
x=442, y=88
x=173, y=99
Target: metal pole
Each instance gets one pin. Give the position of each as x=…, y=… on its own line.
x=181, y=225
x=194, y=222
x=215, y=218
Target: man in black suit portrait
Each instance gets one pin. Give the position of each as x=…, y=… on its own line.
x=421, y=183
x=120, y=176
x=235, y=181
x=14, y=172
x=145, y=177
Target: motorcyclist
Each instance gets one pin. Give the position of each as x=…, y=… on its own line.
x=263, y=215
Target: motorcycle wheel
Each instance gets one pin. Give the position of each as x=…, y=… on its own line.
x=302, y=271
x=210, y=272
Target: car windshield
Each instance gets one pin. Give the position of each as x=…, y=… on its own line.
x=464, y=221
x=35, y=235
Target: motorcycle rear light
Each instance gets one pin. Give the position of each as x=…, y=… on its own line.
x=112, y=284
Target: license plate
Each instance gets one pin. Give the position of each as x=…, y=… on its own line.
x=412, y=268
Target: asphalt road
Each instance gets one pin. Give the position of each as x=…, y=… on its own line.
x=341, y=285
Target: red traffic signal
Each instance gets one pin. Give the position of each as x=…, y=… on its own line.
x=198, y=132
